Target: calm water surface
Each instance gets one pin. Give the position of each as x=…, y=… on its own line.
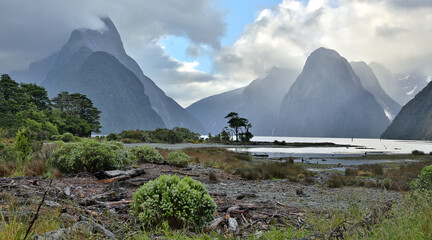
x=360, y=146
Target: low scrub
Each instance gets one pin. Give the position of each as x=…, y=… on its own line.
x=398, y=178
x=178, y=158
x=90, y=156
x=147, y=154
x=274, y=170
x=181, y=203
x=159, y=135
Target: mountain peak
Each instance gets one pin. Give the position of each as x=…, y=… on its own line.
x=328, y=100
x=325, y=52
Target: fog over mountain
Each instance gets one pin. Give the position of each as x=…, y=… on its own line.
x=66, y=63
x=371, y=84
x=403, y=86
x=259, y=102
x=328, y=100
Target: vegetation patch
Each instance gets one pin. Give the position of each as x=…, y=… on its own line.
x=180, y=202
x=90, y=156
x=373, y=175
x=159, y=135
x=147, y=154
x=424, y=181
x=178, y=158
x=275, y=170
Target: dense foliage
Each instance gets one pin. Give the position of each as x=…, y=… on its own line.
x=159, y=135
x=181, y=203
x=79, y=113
x=147, y=154
x=178, y=158
x=90, y=156
x=424, y=181
x=27, y=106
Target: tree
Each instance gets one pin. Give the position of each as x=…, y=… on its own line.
x=38, y=95
x=240, y=126
x=82, y=118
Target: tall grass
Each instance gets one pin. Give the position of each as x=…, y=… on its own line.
x=411, y=219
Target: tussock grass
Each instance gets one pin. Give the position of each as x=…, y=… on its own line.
x=395, y=178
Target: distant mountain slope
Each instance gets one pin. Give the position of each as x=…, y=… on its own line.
x=212, y=110
x=402, y=87
x=328, y=100
x=414, y=121
x=108, y=40
x=114, y=89
x=258, y=102
x=371, y=84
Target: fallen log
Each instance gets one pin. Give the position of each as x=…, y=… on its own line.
x=214, y=224
x=116, y=173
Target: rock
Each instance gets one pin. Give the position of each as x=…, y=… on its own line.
x=93, y=227
x=246, y=195
x=232, y=224
x=58, y=234
x=67, y=191
x=51, y=203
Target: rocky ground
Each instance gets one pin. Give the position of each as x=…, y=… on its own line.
x=243, y=205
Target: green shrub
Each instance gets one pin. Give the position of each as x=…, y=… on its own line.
x=90, y=156
x=424, y=180
x=9, y=154
x=181, y=203
x=178, y=158
x=22, y=143
x=67, y=137
x=148, y=154
x=112, y=137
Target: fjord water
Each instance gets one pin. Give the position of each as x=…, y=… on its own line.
x=358, y=147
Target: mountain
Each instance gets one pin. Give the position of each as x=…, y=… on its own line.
x=212, y=110
x=414, y=121
x=258, y=102
x=106, y=40
x=328, y=100
x=402, y=87
x=113, y=88
x=371, y=84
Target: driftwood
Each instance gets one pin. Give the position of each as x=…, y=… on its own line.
x=83, y=225
x=117, y=173
x=214, y=224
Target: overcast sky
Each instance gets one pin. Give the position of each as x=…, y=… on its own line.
x=196, y=48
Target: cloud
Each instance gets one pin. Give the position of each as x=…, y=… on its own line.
x=396, y=33
x=33, y=29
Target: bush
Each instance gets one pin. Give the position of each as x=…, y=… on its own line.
x=178, y=158
x=335, y=181
x=112, y=137
x=181, y=203
x=90, y=156
x=424, y=181
x=148, y=154
x=22, y=143
x=67, y=137
x=212, y=176
x=417, y=153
